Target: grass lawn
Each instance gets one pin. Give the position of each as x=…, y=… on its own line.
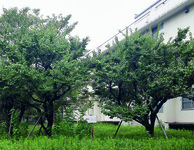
x=128, y=137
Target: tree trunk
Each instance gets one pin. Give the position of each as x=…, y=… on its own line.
x=150, y=126
x=49, y=116
x=22, y=111
x=10, y=127
x=7, y=119
x=42, y=123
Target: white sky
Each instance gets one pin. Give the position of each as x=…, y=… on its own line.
x=97, y=19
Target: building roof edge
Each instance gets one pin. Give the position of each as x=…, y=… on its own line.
x=147, y=9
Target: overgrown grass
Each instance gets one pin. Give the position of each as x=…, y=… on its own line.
x=128, y=137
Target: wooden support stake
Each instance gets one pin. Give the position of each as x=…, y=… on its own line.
x=161, y=127
x=34, y=127
x=10, y=126
x=92, y=131
x=118, y=129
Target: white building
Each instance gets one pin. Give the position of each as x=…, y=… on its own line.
x=171, y=14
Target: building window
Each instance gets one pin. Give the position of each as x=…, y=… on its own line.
x=155, y=29
x=187, y=103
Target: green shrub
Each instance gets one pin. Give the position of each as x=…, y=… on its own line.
x=23, y=128
x=3, y=129
x=19, y=129
x=67, y=126
x=64, y=127
x=83, y=128
x=14, y=124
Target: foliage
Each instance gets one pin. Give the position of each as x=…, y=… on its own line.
x=40, y=62
x=14, y=124
x=23, y=128
x=3, y=129
x=9, y=94
x=137, y=75
x=83, y=128
x=17, y=129
x=66, y=125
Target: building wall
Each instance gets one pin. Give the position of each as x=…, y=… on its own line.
x=179, y=20
x=183, y=115
x=96, y=111
x=168, y=114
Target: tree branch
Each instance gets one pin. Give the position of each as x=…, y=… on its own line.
x=110, y=87
x=38, y=109
x=33, y=97
x=120, y=93
x=63, y=93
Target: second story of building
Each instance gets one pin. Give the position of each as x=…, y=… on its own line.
x=171, y=14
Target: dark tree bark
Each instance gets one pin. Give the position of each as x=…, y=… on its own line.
x=150, y=126
x=22, y=111
x=49, y=113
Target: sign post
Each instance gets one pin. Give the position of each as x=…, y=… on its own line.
x=92, y=119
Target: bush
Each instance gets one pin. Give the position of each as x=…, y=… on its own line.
x=23, y=128
x=83, y=128
x=3, y=129
x=67, y=127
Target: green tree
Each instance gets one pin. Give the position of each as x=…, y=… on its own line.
x=10, y=94
x=137, y=75
x=44, y=59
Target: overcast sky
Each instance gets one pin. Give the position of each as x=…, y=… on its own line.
x=97, y=19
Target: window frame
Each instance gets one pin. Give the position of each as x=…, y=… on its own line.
x=155, y=29
x=186, y=100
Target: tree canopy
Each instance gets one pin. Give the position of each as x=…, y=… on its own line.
x=40, y=63
x=137, y=75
